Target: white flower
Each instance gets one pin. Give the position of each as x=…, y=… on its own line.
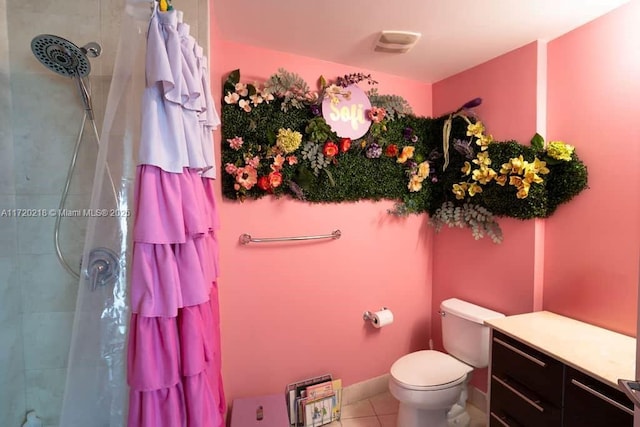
x=242, y=90
x=232, y=98
x=256, y=99
x=245, y=105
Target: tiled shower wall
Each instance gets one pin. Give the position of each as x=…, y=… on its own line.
x=40, y=116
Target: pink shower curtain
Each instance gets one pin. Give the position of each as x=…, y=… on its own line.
x=174, y=365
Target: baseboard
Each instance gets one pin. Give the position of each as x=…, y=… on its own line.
x=477, y=398
x=365, y=389
x=378, y=385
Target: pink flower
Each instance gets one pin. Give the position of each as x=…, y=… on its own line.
x=247, y=177
x=293, y=160
x=278, y=161
x=253, y=162
x=376, y=114
x=236, y=142
x=230, y=168
x=275, y=179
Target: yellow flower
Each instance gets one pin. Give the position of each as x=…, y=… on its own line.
x=466, y=169
x=423, y=170
x=406, y=154
x=540, y=167
x=559, y=150
x=415, y=183
x=530, y=176
x=483, y=141
x=460, y=190
x=484, y=175
x=482, y=159
x=288, y=140
x=505, y=169
x=474, y=189
x=517, y=164
x=522, y=186
x=476, y=129
x=523, y=191
x=501, y=180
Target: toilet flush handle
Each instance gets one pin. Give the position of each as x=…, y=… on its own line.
x=442, y=313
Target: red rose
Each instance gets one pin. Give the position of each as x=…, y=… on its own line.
x=275, y=179
x=391, y=150
x=345, y=144
x=263, y=183
x=330, y=149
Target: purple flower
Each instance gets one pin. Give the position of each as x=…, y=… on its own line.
x=296, y=190
x=407, y=133
x=414, y=138
x=373, y=151
x=464, y=147
x=315, y=110
x=470, y=104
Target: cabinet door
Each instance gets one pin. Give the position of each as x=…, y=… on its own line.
x=514, y=361
x=526, y=385
x=590, y=403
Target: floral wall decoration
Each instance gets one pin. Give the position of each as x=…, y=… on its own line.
x=275, y=141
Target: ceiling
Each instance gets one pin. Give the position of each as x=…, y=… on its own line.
x=456, y=34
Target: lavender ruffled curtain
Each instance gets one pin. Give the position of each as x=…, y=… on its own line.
x=174, y=362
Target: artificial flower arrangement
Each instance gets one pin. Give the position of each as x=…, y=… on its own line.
x=275, y=141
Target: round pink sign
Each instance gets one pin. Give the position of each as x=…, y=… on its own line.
x=348, y=117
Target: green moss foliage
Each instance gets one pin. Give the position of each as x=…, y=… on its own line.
x=352, y=175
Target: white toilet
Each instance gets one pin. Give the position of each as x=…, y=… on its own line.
x=431, y=385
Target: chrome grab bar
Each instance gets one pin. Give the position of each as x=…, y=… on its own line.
x=246, y=238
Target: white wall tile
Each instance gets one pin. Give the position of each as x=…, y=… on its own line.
x=35, y=233
x=46, y=286
x=46, y=340
x=45, y=390
x=12, y=382
x=8, y=227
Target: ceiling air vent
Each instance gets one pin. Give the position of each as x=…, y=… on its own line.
x=396, y=41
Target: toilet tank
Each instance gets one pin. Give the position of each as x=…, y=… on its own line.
x=464, y=333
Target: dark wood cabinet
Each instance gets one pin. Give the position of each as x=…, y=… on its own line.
x=590, y=403
x=532, y=389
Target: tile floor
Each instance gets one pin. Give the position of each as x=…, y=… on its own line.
x=382, y=410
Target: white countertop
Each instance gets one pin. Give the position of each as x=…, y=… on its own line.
x=603, y=354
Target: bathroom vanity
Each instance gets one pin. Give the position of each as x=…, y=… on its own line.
x=549, y=370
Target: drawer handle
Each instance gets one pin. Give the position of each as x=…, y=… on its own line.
x=517, y=393
x=520, y=352
x=601, y=396
x=501, y=420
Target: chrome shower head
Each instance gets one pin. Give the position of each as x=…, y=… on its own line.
x=62, y=56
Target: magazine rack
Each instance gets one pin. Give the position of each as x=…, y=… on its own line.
x=314, y=402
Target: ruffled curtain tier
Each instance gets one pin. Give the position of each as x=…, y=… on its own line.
x=174, y=360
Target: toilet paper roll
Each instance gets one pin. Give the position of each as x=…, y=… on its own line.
x=382, y=318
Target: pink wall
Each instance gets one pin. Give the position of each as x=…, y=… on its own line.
x=499, y=277
x=592, y=243
x=290, y=311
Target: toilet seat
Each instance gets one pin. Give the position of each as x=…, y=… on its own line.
x=429, y=370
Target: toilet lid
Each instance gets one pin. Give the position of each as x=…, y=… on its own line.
x=428, y=368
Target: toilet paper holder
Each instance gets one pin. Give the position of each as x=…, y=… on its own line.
x=367, y=316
